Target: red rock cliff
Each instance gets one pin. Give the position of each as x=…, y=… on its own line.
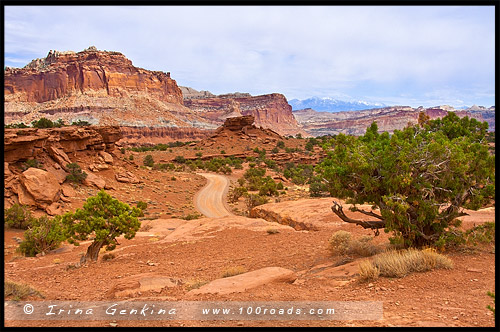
x=90, y=72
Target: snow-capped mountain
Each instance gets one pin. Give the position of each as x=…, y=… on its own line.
x=332, y=105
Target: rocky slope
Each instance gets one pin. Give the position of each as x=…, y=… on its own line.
x=388, y=119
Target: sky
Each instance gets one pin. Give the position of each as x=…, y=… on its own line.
x=396, y=55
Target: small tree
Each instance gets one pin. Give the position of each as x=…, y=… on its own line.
x=43, y=235
x=18, y=216
x=76, y=175
x=417, y=180
x=101, y=219
x=149, y=161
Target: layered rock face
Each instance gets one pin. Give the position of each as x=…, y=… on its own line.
x=100, y=87
x=54, y=148
x=270, y=111
x=28, y=143
x=104, y=88
x=387, y=118
x=91, y=72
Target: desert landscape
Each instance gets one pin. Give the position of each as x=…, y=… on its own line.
x=226, y=189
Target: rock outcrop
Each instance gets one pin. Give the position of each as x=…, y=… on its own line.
x=59, y=143
x=246, y=281
x=270, y=111
x=53, y=148
x=388, y=119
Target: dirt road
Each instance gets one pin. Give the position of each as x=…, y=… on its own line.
x=210, y=200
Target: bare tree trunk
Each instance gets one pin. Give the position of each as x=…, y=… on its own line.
x=92, y=252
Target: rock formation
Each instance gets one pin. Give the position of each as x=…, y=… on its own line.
x=388, y=119
x=270, y=111
x=104, y=88
x=54, y=148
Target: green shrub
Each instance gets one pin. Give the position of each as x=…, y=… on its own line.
x=131, y=157
x=192, y=216
x=148, y=161
x=18, y=216
x=235, y=193
x=252, y=200
x=42, y=123
x=180, y=159
x=142, y=205
x=32, y=163
x=281, y=145
x=80, y=123
x=489, y=307
x=43, y=235
x=76, y=175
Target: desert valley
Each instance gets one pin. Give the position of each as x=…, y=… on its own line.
x=233, y=196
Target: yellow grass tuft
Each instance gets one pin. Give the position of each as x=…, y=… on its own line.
x=232, y=271
x=399, y=263
x=19, y=291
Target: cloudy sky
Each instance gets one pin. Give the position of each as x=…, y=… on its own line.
x=397, y=55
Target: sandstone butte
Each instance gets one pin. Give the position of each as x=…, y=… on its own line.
x=105, y=88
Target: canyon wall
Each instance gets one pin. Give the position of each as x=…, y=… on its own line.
x=270, y=111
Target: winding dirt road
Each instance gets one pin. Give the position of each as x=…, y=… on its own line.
x=210, y=199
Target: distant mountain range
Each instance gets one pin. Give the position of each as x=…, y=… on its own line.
x=332, y=105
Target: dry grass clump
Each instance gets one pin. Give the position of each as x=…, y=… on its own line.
x=368, y=271
x=341, y=243
x=194, y=284
x=19, y=291
x=399, y=263
x=232, y=271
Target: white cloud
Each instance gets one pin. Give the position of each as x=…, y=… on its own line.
x=300, y=51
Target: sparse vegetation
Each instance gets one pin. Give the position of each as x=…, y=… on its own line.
x=43, y=235
x=18, y=216
x=233, y=271
x=19, y=292
x=192, y=216
x=341, y=243
x=80, y=123
x=489, y=307
x=32, y=163
x=194, y=284
x=148, y=161
x=76, y=174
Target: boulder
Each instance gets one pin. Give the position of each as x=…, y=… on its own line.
x=106, y=156
x=243, y=282
x=94, y=180
x=134, y=285
x=67, y=190
x=41, y=185
x=98, y=167
x=59, y=156
x=127, y=177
